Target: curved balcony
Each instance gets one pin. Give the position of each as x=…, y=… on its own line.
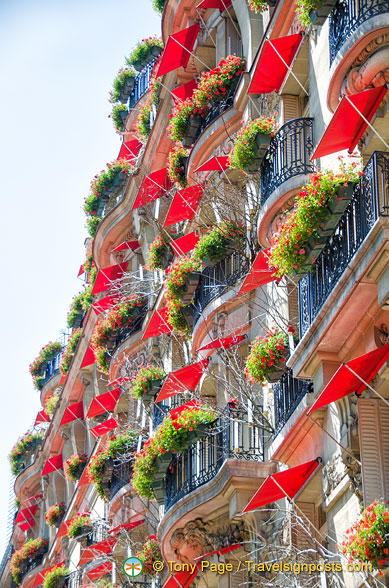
x=348, y=16
x=33, y=562
x=370, y=202
x=235, y=439
x=99, y=532
x=216, y=279
x=287, y=394
x=142, y=84
x=121, y=475
x=117, y=343
x=51, y=369
x=288, y=155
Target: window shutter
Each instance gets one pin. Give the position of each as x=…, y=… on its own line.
x=302, y=533
x=290, y=107
x=237, y=579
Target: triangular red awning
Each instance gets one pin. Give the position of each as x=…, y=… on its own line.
x=99, y=571
x=216, y=4
x=104, y=403
x=259, y=274
x=178, y=49
x=185, y=91
x=85, y=479
x=347, y=126
x=101, y=548
x=36, y=497
x=89, y=358
x=186, y=378
x=41, y=417
x=270, y=71
x=81, y=270
x=158, y=324
x=52, y=464
x=103, y=428
x=126, y=526
x=106, y=276
x=129, y=150
x=185, y=244
x=214, y=164
x=26, y=514
x=62, y=380
x=133, y=245
x=119, y=381
x=73, y=412
x=27, y=525
x=191, y=405
x=291, y=481
x=40, y=577
x=344, y=382
x=104, y=304
x=184, y=205
x=181, y=579
x=224, y=343
x=153, y=186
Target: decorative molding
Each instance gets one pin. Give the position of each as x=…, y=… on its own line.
x=332, y=474
x=371, y=71
x=381, y=335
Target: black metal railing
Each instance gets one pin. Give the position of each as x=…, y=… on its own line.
x=33, y=563
x=121, y=475
x=234, y=438
x=370, y=201
x=142, y=84
x=215, y=111
x=133, y=327
x=216, y=279
x=52, y=368
x=74, y=579
x=348, y=16
x=7, y=555
x=288, y=155
x=99, y=532
x=161, y=409
x=287, y=394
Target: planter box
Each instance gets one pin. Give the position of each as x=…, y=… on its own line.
x=188, y=313
x=262, y=141
x=80, y=469
x=159, y=491
x=318, y=17
x=156, y=51
x=313, y=250
x=108, y=469
x=139, y=65
x=192, y=132
x=344, y=195
x=127, y=89
x=118, y=180
x=200, y=432
x=155, y=387
x=191, y=284
x=57, y=524
x=83, y=535
x=275, y=375
x=167, y=258
x=162, y=464
x=123, y=115
x=60, y=583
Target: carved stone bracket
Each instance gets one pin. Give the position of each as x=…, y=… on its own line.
x=370, y=69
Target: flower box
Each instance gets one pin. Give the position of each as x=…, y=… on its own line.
x=159, y=491
x=343, y=196
x=79, y=470
x=167, y=258
x=313, y=250
x=140, y=64
x=192, y=281
x=127, y=89
x=123, y=115
x=188, y=313
x=108, y=469
x=275, y=375
x=192, y=132
x=318, y=16
x=155, y=387
x=118, y=179
x=57, y=523
x=155, y=51
x=162, y=464
x=262, y=142
x=199, y=433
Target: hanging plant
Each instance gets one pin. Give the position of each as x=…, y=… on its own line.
x=56, y=577
x=180, y=118
x=177, y=319
x=80, y=304
x=105, y=182
x=249, y=141
x=37, y=367
x=258, y=6
x=23, y=448
x=368, y=539
x=159, y=5
x=20, y=558
x=143, y=124
x=51, y=404
x=145, y=51
x=159, y=252
x=69, y=352
x=142, y=383
x=176, y=163
x=74, y=466
x=266, y=356
x=177, y=275
x=119, y=116
x=81, y=525
x=122, y=84
x=54, y=514
x=149, y=554
x=219, y=239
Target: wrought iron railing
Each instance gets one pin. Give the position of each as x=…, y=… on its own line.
x=132, y=328
x=74, y=579
x=288, y=155
x=121, y=475
x=161, y=409
x=370, y=201
x=216, y=279
x=52, y=369
x=215, y=111
x=33, y=563
x=7, y=554
x=347, y=16
x=234, y=438
x=142, y=84
x=99, y=532
x=287, y=394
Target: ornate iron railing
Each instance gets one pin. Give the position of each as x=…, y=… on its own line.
x=142, y=84
x=99, y=532
x=370, y=201
x=121, y=475
x=288, y=155
x=52, y=369
x=161, y=409
x=347, y=16
x=216, y=279
x=33, y=563
x=74, y=579
x=287, y=394
x=7, y=554
x=132, y=328
x=234, y=438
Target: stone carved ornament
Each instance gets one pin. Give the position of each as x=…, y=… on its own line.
x=373, y=73
x=381, y=335
x=333, y=473
x=134, y=363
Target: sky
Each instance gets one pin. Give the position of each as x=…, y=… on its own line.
x=58, y=60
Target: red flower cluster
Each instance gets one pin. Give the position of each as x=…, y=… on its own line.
x=265, y=356
x=29, y=550
x=47, y=353
x=75, y=465
x=149, y=554
x=176, y=164
x=54, y=514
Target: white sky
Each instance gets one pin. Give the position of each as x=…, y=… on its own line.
x=58, y=59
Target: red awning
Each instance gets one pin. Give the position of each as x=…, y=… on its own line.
x=36, y=497
x=85, y=479
x=106, y=276
x=344, y=382
x=223, y=343
x=133, y=245
x=178, y=49
x=42, y=417
x=181, y=579
x=89, y=358
x=27, y=525
x=130, y=150
x=259, y=274
x=73, y=412
x=119, y=381
x=216, y=4
x=214, y=164
x=347, y=126
x=104, y=304
x=104, y=428
x=184, y=205
x=291, y=481
x=126, y=526
x=271, y=71
x=40, y=577
x=62, y=380
x=99, y=571
x=186, y=378
x=104, y=403
x=62, y=531
x=185, y=91
x=81, y=270
x=191, y=405
x=52, y=464
x=101, y=548
x=185, y=244
x=153, y=186
x=158, y=324
x=26, y=514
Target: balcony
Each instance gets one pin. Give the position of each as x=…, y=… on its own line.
x=235, y=439
x=74, y=580
x=288, y=155
x=52, y=369
x=99, y=532
x=142, y=84
x=348, y=16
x=121, y=475
x=215, y=280
x=123, y=334
x=370, y=202
x=33, y=563
x=287, y=394
x=161, y=409
x=214, y=111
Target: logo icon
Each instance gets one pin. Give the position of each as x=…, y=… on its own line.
x=133, y=567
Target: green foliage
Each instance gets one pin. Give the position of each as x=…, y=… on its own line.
x=176, y=164
x=266, y=355
x=23, y=447
x=142, y=382
x=144, y=50
x=54, y=577
x=117, y=117
x=29, y=550
x=124, y=74
x=80, y=525
x=215, y=243
x=51, y=404
x=46, y=354
x=245, y=148
x=156, y=252
x=69, y=352
x=159, y=5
